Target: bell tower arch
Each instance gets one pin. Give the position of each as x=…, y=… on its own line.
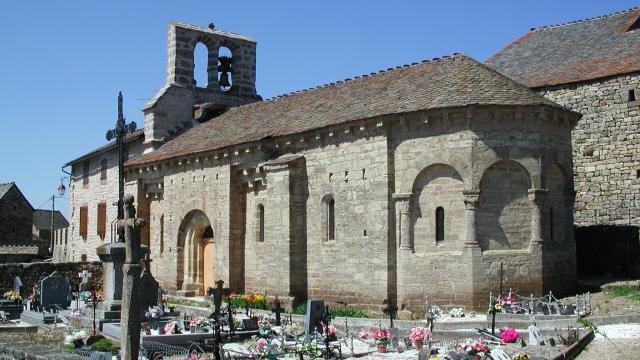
x=182, y=102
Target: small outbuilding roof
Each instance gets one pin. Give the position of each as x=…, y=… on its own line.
x=573, y=52
x=42, y=220
x=451, y=81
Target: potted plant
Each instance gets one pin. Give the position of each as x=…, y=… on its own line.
x=382, y=338
x=330, y=331
x=418, y=335
x=509, y=335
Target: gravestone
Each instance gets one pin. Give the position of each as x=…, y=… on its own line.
x=534, y=336
x=17, y=284
x=149, y=287
x=249, y=324
x=84, y=284
x=55, y=292
x=315, y=312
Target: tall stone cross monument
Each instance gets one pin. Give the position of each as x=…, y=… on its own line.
x=119, y=133
x=130, y=320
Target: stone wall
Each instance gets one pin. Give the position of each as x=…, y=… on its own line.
x=16, y=218
x=32, y=273
x=370, y=170
x=606, y=148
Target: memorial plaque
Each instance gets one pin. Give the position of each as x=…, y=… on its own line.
x=55, y=292
x=249, y=324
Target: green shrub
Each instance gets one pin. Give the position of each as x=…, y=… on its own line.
x=69, y=348
x=300, y=309
x=346, y=312
x=632, y=293
x=103, y=345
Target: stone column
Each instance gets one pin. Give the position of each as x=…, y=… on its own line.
x=112, y=257
x=131, y=311
x=536, y=199
x=471, y=198
x=403, y=204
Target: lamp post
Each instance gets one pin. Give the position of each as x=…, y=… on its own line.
x=61, y=191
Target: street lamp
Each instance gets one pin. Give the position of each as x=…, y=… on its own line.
x=61, y=191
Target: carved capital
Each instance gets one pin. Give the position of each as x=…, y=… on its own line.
x=471, y=198
x=403, y=202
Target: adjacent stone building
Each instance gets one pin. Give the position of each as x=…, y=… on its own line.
x=592, y=67
x=43, y=223
x=414, y=182
x=16, y=221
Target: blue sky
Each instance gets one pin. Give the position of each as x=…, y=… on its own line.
x=62, y=63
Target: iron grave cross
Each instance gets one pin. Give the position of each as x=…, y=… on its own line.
x=119, y=133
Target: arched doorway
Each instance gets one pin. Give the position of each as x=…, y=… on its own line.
x=195, y=254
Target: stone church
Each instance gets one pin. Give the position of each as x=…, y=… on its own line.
x=413, y=182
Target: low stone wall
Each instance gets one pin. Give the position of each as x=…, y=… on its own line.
x=31, y=273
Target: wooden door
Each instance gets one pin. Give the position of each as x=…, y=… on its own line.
x=208, y=264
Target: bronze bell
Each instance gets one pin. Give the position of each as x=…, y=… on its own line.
x=224, y=79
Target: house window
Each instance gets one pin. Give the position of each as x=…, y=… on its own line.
x=103, y=169
x=260, y=223
x=632, y=95
x=161, y=234
x=83, y=258
x=439, y=223
x=102, y=220
x=83, y=221
x=85, y=173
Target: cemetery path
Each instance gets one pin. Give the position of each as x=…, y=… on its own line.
x=623, y=343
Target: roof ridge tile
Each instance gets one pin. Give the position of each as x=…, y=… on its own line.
x=580, y=21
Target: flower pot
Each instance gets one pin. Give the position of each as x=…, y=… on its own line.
x=418, y=344
x=382, y=348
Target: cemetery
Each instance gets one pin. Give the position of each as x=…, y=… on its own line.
x=128, y=316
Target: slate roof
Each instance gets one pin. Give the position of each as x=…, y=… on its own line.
x=42, y=220
x=452, y=81
x=4, y=188
x=573, y=52
x=131, y=137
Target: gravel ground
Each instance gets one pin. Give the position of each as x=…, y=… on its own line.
x=622, y=342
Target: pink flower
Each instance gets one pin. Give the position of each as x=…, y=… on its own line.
x=509, y=335
x=419, y=333
x=363, y=334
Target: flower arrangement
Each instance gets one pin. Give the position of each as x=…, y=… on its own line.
x=456, y=313
x=329, y=330
x=520, y=357
x=259, y=346
x=252, y=301
x=435, y=312
x=264, y=326
x=509, y=335
x=309, y=349
x=363, y=334
x=381, y=336
x=76, y=339
x=292, y=331
x=200, y=322
x=419, y=333
x=154, y=312
x=473, y=347
x=171, y=328
x=12, y=295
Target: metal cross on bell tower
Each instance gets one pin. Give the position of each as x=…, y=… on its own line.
x=119, y=133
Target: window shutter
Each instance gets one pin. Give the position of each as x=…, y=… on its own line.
x=83, y=221
x=102, y=220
